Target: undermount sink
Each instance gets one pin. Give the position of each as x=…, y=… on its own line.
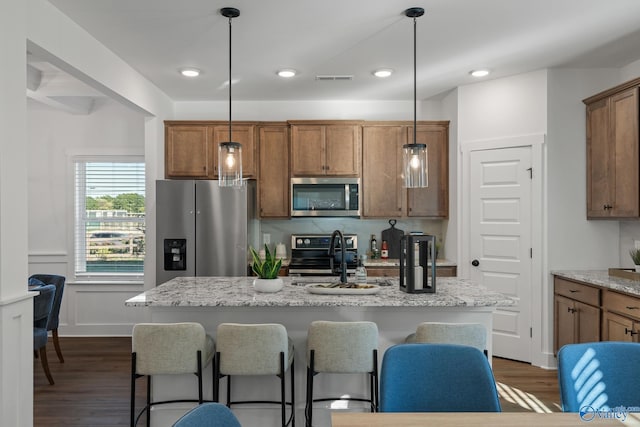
x=310, y=280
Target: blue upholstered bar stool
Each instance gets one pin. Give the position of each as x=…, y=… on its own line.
x=210, y=414
x=342, y=347
x=256, y=349
x=168, y=349
x=595, y=376
x=437, y=378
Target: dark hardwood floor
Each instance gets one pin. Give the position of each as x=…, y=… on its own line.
x=92, y=387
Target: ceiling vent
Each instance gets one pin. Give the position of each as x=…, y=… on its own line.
x=333, y=78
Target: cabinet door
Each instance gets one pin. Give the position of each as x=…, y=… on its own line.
x=186, y=152
x=600, y=157
x=342, y=150
x=564, y=330
x=307, y=150
x=587, y=323
x=624, y=138
x=243, y=134
x=618, y=328
x=432, y=201
x=273, y=181
x=382, y=163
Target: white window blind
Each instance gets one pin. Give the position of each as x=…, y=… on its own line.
x=109, y=217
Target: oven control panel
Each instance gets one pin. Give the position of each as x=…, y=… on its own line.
x=315, y=241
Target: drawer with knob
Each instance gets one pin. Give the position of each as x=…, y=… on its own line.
x=577, y=291
x=621, y=304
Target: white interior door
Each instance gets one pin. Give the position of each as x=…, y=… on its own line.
x=500, y=241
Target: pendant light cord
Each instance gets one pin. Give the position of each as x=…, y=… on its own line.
x=230, y=18
x=415, y=86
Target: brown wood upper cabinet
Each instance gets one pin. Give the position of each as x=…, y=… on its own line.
x=325, y=148
x=383, y=193
x=613, y=169
x=273, y=176
x=191, y=148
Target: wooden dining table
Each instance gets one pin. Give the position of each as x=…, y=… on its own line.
x=464, y=419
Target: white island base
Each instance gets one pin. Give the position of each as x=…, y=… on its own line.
x=211, y=301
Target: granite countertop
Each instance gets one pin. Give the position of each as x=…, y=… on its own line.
x=396, y=263
x=601, y=278
x=239, y=292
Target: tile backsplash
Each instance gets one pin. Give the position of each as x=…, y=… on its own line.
x=280, y=230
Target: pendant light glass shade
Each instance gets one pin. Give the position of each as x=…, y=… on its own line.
x=415, y=161
x=230, y=164
x=414, y=156
x=230, y=153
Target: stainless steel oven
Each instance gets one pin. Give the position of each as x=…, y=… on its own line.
x=325, y=197
x=310, y=254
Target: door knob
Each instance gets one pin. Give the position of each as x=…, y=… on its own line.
x=475, y=263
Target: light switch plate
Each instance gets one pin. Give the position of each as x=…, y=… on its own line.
x=636, y=243
x=266, y=238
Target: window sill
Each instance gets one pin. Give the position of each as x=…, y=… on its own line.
x=106, y=281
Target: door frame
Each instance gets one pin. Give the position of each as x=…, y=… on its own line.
x=541, y=313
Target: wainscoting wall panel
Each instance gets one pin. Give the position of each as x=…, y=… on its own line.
x=94, y=308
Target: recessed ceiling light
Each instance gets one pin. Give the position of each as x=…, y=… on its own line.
x=479, y=73
x=383, y=72
x=190, y=72
x=286, y=73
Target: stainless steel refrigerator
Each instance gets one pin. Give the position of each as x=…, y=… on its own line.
x=203, y=229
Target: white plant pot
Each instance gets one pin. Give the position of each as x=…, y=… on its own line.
x=268, y=285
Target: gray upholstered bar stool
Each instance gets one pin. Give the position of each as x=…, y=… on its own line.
x=255, y=349
x=167, y=349
x=342, y=347
x=471, y=334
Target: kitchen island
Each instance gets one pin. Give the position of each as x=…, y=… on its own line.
x=214, y=300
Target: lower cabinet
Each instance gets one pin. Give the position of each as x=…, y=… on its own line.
x=621, y=317
x=588, y=313
x=576, y=322
x=577, y=313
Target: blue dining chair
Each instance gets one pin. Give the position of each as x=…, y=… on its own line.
x=599, y=375
x=42, y=304
x=54, y=319
x=208, y=415
x=437, y=378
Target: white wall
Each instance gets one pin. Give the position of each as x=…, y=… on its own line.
x=451, y=226
x=16, y=307
x=503, y=108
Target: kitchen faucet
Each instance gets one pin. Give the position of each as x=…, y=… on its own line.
x=343, y=255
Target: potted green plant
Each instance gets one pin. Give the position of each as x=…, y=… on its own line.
x=267, y=270
x=635, y=256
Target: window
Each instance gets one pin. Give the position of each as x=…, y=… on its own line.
x=109, y=217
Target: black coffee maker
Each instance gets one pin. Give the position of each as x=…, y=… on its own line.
x=417, y=257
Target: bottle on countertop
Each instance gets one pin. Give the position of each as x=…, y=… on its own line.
x=361, y=271
x=384, y=250
x=374, y=247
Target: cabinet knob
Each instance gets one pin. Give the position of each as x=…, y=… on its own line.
x=475, y=263
x=571, y=310
x=607, y=207
x=630, y=332
x=631, y=308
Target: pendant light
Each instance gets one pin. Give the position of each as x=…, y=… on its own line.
x=230, y=153
x=414, y=155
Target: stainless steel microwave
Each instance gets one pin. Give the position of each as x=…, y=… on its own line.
x=325, y=197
